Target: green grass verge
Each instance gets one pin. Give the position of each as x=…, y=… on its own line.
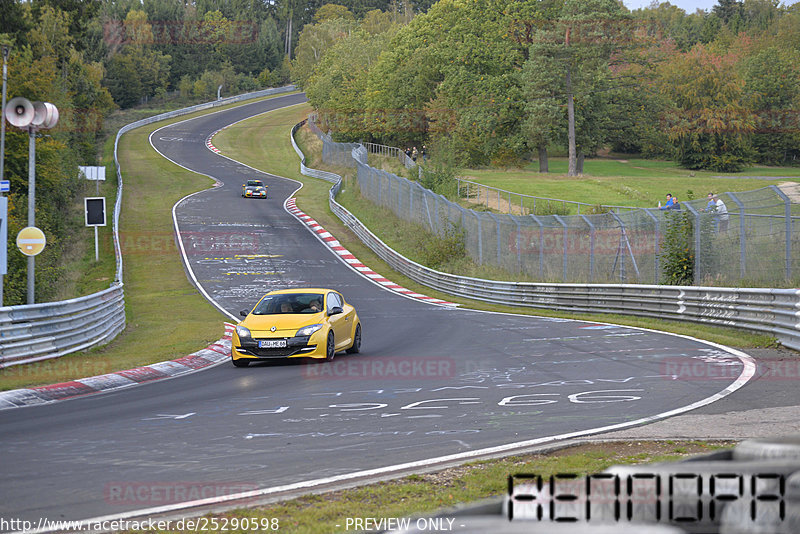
x=636, y=182
x=420, y=494
x=266, y=138
x=167, y=317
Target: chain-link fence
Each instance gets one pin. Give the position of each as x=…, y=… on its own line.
x=757, y=242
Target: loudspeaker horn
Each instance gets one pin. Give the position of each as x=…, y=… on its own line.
x=39, y=114
x=19, y=112
x=51, y=117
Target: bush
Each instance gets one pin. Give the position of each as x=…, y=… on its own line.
x=597, y=209
x=547, y=207
x=437, y=250
x=677, y=249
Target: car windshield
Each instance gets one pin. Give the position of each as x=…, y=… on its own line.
x=254, y=183
x=290, y=303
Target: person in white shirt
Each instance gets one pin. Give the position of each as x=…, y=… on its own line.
x=722, y=213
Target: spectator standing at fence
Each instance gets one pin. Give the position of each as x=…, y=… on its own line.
x=408, y=152
x=712, y=205
x=414, y=154
x=722, y=212
x=671, y=201
x=424, y=153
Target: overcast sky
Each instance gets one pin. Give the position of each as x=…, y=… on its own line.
x=690, y=6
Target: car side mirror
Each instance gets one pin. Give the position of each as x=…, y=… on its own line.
x=336, y=310
x=243, y=313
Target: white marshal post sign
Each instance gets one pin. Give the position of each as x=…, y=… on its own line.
x=94, y=174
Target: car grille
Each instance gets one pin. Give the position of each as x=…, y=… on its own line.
x=295, y=345
x=275, y=353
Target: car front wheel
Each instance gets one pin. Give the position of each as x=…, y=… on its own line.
x=241, y=363
x=330, y=348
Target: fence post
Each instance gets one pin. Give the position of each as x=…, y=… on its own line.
x=562, y=223
x=517, y=243
x=787, y=214
x=657, y=245
x=436, y=211
x=497, y=226
x=399, y=196
x=428, y=209
x=410, y=202
x=742, y=236
x=591, y=246
x=623, y=236
x=480, y=239
x=541, y=244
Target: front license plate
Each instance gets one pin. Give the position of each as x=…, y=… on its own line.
x=272, y=344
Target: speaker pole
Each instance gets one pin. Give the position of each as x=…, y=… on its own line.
x=31, y=205
x=4, y=244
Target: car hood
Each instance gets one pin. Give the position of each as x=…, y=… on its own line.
x=287, y=321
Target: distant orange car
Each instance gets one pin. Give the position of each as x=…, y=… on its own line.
x=254, y=189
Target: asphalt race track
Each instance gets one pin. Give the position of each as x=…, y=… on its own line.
x=430, y=381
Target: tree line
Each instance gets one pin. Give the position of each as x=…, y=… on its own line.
x=502, y=81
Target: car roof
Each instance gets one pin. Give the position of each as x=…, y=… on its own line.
x=255, y=182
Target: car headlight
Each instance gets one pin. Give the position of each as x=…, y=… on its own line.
x=242, y=332
x=308, y=330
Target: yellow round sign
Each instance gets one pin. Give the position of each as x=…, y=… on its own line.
x=31, y=241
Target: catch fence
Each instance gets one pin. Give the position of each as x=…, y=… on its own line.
x=757, y=243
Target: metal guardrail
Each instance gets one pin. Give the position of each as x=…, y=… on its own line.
x=771, y=311
x=41, y=331
x=34, y=332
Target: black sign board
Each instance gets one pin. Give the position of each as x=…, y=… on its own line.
x=95, y=211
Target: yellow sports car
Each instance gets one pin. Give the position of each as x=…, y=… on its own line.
x=254, y=189
x=296, y=323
